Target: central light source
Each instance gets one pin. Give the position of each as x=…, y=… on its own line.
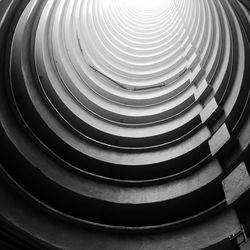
x=146, y=5
x=127, y=110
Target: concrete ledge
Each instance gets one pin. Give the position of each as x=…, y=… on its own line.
x=193, y=61
x=219, y=139
x=203, y=91
x=236, y=183
x=245, y=246
x=211, y=112
x=197, y=74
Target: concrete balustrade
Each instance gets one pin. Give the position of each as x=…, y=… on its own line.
x=120, y=117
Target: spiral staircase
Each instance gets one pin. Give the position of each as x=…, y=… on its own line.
x=125, y=124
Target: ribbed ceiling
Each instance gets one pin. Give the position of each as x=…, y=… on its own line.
x=125, y=107
x=124, y=73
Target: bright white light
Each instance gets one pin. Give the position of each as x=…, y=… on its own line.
x=146, y=5
x=139, y=6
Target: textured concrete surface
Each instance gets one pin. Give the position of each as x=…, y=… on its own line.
x=119, y=122
x=236, y=183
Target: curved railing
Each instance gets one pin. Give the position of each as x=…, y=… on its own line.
x=123, y=111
